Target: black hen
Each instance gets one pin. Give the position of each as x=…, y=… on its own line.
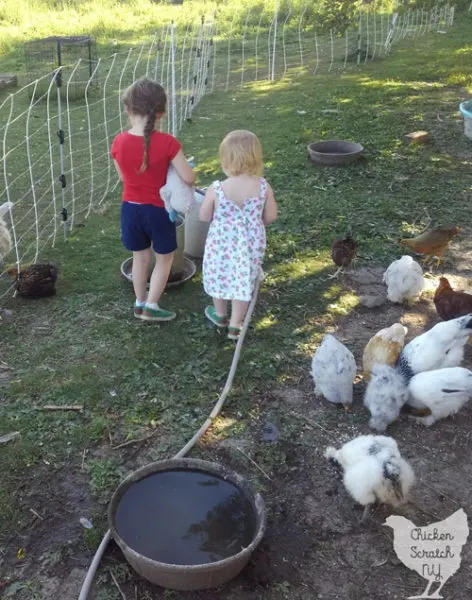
x=36, y=281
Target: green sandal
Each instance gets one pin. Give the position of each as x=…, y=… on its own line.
x=234, y=333
x=210, y=314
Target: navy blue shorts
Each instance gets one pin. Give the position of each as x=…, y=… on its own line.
x=146, y=224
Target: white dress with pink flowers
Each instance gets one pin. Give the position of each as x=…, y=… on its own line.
x=235, y=246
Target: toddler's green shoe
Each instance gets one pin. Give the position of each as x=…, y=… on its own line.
x=210, y=314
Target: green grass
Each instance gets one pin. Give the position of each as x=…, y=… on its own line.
x=84, y=347
x=115, y=23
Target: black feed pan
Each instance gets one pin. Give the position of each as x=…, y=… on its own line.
x=335, y=152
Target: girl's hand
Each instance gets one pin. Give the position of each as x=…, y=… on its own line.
x=208, y=205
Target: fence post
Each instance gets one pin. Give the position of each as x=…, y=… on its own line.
x=243, y=44
x=275, y=39
x=196, y=69
x=69, y=136
x=105, y=126
x=61, y=136
x=391, y=32
x=359, y=39
x=5, y=177
x=173, y=91
x=300, y=34
x=229, y=53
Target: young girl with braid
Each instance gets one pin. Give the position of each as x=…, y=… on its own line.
x=142, y=157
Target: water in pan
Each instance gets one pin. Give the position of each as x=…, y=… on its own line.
x=185, y=518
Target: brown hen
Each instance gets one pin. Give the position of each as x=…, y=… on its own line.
x=36, y=281
x=449, y=303
x=432, y=243
x=343, y=251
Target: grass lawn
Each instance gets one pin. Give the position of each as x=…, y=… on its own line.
x=84, y=347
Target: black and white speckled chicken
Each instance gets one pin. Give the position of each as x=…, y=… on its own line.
x=343, y=251
x=35, y=281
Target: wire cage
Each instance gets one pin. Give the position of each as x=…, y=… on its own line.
x=46, y=55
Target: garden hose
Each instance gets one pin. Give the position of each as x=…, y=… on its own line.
x=86, y=586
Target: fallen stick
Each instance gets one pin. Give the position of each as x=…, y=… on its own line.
x=254, y=463
x=312, y=423
x=36, y=514
x=76, y=407
x=117, y=585
x=129, y=442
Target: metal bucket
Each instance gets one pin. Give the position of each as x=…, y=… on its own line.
x=189, y=577
x=196, y=231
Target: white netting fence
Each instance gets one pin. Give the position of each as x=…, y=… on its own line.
x=56, y=132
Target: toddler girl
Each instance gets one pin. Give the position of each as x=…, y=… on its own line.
x=238, y=209
x=142, y=156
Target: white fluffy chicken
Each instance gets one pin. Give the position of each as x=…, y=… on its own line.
x=404, y=279
x=334, y=369
x=440, y=347
x=442, y=392
x=374, y=470
x=385, y=396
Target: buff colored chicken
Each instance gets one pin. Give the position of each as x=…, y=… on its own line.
x=432, y=243
x=384, y=348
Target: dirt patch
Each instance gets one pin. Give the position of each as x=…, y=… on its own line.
x=48, y=556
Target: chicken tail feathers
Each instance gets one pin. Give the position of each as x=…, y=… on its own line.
x=404, y=367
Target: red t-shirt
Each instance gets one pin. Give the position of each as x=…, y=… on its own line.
x=128, y=150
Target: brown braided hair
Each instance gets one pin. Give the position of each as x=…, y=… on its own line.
x=145, y=98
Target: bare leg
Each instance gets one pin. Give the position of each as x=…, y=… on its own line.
x=221, y=307
x=238, y=312
x=335, y=275
x=159, y=276
x=140, y=273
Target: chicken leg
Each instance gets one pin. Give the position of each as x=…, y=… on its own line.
x=335, y=275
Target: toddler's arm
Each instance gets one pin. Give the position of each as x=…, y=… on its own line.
x=183, y=168
x=270, y=208
x=208, y=205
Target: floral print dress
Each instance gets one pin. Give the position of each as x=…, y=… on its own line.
x=235, y=246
